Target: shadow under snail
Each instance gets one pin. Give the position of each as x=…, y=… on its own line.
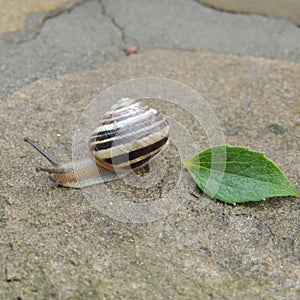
x=129, y=135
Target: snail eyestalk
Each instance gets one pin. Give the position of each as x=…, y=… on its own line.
x=43, y=153
x=61, y=174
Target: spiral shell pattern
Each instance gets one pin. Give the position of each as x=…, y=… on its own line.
x=130, y=134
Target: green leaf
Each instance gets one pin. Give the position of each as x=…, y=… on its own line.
x=237, y=174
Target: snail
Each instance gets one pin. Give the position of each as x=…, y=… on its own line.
x=128, y=137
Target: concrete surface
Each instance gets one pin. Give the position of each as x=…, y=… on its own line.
x=287, y=9
x=56, y=245
x=14, y=12
x=97, y=31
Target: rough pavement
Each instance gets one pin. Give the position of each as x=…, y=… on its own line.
x=97, y=31
x=56, y=245
x=288, y=9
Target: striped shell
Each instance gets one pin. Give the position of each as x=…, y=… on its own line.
x=129, y=136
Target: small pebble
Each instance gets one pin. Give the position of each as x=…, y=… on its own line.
x=133, y=49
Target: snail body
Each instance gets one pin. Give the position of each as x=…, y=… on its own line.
x=129, y=135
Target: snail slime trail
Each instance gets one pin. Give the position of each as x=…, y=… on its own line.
x=129, y=136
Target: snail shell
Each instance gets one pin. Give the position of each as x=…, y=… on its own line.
x=129, y=135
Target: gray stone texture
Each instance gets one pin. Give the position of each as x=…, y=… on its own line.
x=287, y=9
x=55, y=244
x=97, y=31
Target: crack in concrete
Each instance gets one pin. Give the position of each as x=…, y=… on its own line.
x=274, y=236
x=269, y=230
x=68, y=7
x=57, y=12
x=113, y=21
x=36, y=21
x=240, y=11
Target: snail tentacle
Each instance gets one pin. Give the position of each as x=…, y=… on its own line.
x=53, y=161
